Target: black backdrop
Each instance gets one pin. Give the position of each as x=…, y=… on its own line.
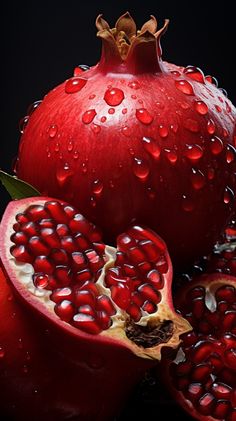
x=43, y=41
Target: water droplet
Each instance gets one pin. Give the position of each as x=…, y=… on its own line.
x=134, y=84
x=184, y=86
x=75, y=84
x=230, y=154
x=96, y=128
x=97, y=187
x=197, y=179
x=84, y=168
x=176, y=73
x=25, y=369
x=33, y=107
x=225, y=132
x=211, y=127
x=63, y=174
x=124, y=111
x=218, y=108
x=88, y=116
x=111, y=184
x=23, y=123
x=131, y=151
x=20, y=343
x=52, y=131
x=2, y=352
x=57, y=147
x=184, y=105
x=228, y=107
x=143, y=116
x=194, y=73
x=70, y=145
x=92, y=96
x=134, y=96
x=111, y=111
x=140, y=168
x=151, y=193
x=93, y=202
x=193, y=152
x=171, y=155
x=152, y=147
x=114, y=96
x=174, y=127
x=220, y=99
x=163, y=131
x=103, y=119
x=228, y=195
x=80, y=69
x=10, y=297
x=201, y=107
x=191, y=125
x=127, y=131
x=187, y=203
x=216, y=145
x=211, y=173
x=212, y=80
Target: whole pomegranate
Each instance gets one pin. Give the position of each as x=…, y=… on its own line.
x=136, y=139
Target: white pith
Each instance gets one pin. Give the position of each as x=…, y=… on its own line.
x=25, y=271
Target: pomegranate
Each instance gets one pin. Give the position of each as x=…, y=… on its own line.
x=138, y=140
x=83, y=314
x=202, y=378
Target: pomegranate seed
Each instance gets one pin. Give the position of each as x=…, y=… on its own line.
x=70, y=211
x=29, y=229
x=226, y=293
x=95, y=262
x=78, y=261
x=60, y=294
x=204, y=327
x=83, y=276
x=84, y=297
x=65, y=310
x=120, y=294
x=62, y=230
x=82, y=243
x=230, y=358
x=125, y=242
x=162, y=265
x=129, y=270
x=156, y=279
x=16, y=227
x=21, y=218
x=89, y=286
x=86, y=323
x=43, y=264
x=149, y=307
x=228, y=321
x=221, y=391
x=87, y=309
x=229, y=340
x=201, y=351
x=78, y=224
x=151, y=250
x=201, y=372
x=36, y=212
x=59, y=256
x=136, y=255
x=19, y=238
x=99, y=247
x=221, y=409
x=37, y=246
x=194, y=392
x=183, y=368
x=149, y=293
x=195, y=293
x=120, y=258
x=137, y=299
x=56, y=210
x=50, y=237
x=134, y=311
x=68, y=244
x=144, y=267
x=104, y=304
x=104, y=320
x=40, y=281
x=206, y=404
x=63, y=275
x=222, y=306
x=198, y=307
x=46, y=223
x=21, y=254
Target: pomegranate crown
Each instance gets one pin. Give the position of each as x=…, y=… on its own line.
x=128, y=49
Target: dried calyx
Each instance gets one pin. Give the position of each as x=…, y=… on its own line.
x=57, y=261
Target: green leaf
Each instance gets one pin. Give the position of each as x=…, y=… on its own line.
x=17, y=189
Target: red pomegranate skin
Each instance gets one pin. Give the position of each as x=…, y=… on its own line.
x=47, y=374
x=138, y=140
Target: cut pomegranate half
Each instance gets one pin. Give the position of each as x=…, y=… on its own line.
x=202, y=378
x=57, y=262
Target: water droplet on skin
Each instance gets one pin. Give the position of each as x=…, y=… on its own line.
x=176, y=73
x=143, y=116
x=70, y=145
x=163, y=131
x=111, y=184
x=184, y=86
x=93, y=202
x=2, y=352
x=228, y=195
x=216, y=145
x=63, y=174
x=151, y=193
x=211, y=174
x=220, y=99
x=20, y=343
x=193, y=152
x=228, y=108
x=191, y=125
x=52, y=131
x=225, y=133
x=134, y=96
x=197, y=179
x=103, y=119
x=97, y=187
x=96, y=128
x=171, y=155
x=84, y=168
x=88, y=116
x=80, y=69
x=218, y=108
x=201, y=107
x=134, y=84
x=124, y=111
x=195, y=73
x=140, y=168
x=211, y=127
x=33, y=107
x=152, y=147
x=111, y=111
x=230, y=154
x=212, y=80
x=10, y=297
x=57, y=147
x=184, y=105
x=25, y=369
x=114, y=96
x=140, y=101
x=23, y=123
x=187, y=204
x=127, y=131
x=131, y=151
x=174, y=127
x=75, y=84
x=92, y=96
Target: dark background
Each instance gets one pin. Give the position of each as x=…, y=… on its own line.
x=44, y=41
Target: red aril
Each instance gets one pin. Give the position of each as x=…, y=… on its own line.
x=137, y=139
x=202, y=378
x=78, y=300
